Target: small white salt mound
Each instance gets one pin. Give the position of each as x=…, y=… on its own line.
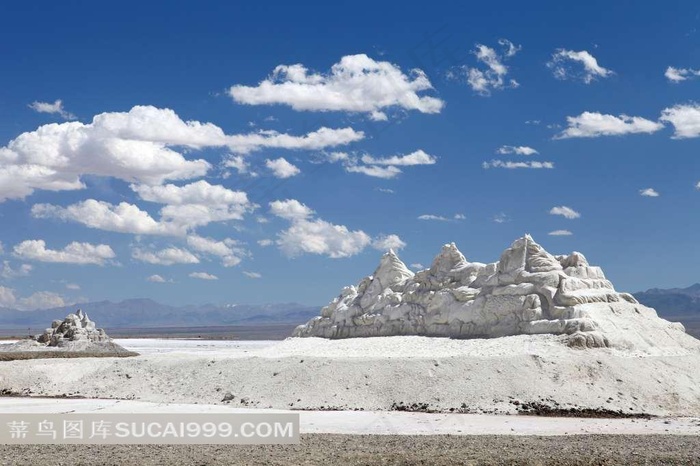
x=74, y=334
x=74, y=328
x=528, y=291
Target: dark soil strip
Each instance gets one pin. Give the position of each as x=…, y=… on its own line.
x=17, y=356
x=331, y=450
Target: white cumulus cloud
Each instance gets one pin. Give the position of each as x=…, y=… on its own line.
x=593, y=124
x=568, y=64
x=685, y=120
x=200, y=192
x=41, y=300
x=137, y=146
x=237, y=162
x=281, y=168
x=374, y=171
x=308, y=235
x=418, y=157
x=290, y=209
x=187, y=207
x=356, y=84
x=648, y=192
x=73, y=253
x=38, y=300
x=676, y=75
x=121, y=218
x=565, y=211
x=229, y=250
x=155, y=278
x=167, y=256
x=386, y=242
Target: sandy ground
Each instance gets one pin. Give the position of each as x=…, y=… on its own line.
x=418, y=373
x=324, y=449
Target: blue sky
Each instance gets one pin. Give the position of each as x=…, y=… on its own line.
x=214, y=152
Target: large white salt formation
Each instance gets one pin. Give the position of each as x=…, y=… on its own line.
x=528, y=291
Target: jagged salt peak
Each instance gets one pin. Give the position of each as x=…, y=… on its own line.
x=391, y=270
x=528, y=291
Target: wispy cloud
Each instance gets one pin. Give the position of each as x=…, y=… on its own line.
x=568, y=64
x=253, y=275
x=593, y=125
x=676, y=75
x=156, y=279
x=380, y=167
x=514, y=165
x=492, y=73
x=565, y=211
x=649, y=192
x=418, y=157
x=439, y=218
x=500, y=218
x=55, y=108
x=203, y=276
x=560, y=233
x=8, y=272
x=518, y=150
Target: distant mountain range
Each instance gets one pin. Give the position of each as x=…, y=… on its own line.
x=146, y=313
x=673, y=302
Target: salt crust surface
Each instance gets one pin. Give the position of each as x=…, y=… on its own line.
x=476, y=376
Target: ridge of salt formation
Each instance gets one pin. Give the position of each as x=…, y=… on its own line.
x=528, y=291
x=76, y=335
x=74, y=328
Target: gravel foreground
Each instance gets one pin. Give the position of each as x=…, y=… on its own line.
x=329, y=449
